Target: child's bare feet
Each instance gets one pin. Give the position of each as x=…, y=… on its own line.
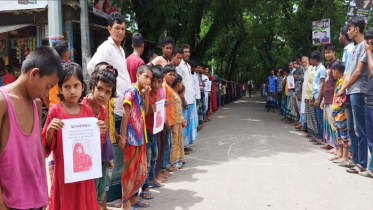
x=127, y=206
x=161, y=178
x=137, y=203
x=172, y=168
x=166, y=173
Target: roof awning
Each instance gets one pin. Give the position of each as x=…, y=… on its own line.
x=4, y=29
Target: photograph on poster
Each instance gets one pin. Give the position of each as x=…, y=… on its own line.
x=359, y=8
x=321, y=32
x=159, y=116
x=81, y=156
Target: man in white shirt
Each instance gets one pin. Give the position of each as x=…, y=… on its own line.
x=307, y=69
x=207, y=90
x=111, y=52
x=195, y=75
x=189, y=111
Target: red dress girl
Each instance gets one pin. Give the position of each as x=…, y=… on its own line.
x=78, y=195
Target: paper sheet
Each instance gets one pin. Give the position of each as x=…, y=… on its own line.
x=81, y=149
x=159, y=117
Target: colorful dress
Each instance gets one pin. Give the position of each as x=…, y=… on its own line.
x=134, y=153
x=106, y=151
x=177, y=151
x=79, y=195
x=339, y=113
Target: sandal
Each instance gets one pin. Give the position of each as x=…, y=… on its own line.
x=147, y=195
x=115, y=204
x=156, y=184
x=352, y=171
x=366, y=174
x=334, y=158
x=348, y=164
x=137, y=205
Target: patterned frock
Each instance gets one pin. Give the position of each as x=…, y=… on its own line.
x=78, y=195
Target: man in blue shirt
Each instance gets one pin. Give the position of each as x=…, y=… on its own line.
x=271, y=91
x=317, y=90
x=348, y=45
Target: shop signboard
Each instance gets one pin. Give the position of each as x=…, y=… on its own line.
x=9, y=5
x=102, y=8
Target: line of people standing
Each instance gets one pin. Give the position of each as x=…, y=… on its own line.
x=332, y=104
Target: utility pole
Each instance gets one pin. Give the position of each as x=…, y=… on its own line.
x=55, y=20
x=85, y=38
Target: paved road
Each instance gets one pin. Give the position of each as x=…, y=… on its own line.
x=246, y=158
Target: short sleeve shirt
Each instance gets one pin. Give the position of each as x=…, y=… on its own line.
x=316, y=82
x=361, y=84
x=170, y=111
x=133, y=62
x=279, y=84
x=136, y=129
x=178, y=117
x=100, y=116
x=347, y=51
x=369, y=100
x=309, y=83
x=149, y=118
x=160, y=60
x=272, y=84
x=298, y=82
x=329, y=83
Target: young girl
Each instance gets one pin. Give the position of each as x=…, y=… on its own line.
x=177, y=151
x=79, y=195
x=102, y=89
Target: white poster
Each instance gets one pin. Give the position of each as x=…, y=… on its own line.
x=321, y=32
x=81, y=149
x=159, y=117
x=208, y=86
x=290, y=82
x=22, y=4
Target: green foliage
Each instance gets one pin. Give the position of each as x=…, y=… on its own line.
x=243, y=39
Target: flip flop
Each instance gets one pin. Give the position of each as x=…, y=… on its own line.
x=115, y=204
x=146, y=193
x=352, y=171
x=338, y=161
x=317, y=143
x=137, y=205
x=180, y=164
x=155, y=184
x=366, y=174
x=333, y=159
x=347, y=164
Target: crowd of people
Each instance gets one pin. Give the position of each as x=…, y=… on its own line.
x=331, y=101
x=122, y=94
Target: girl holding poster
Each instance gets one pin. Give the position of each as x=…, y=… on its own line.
x=79, y=195
x=102, y=88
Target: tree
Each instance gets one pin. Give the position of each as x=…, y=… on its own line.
x=246, y=38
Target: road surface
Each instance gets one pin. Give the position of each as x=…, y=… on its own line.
x=246, y=158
